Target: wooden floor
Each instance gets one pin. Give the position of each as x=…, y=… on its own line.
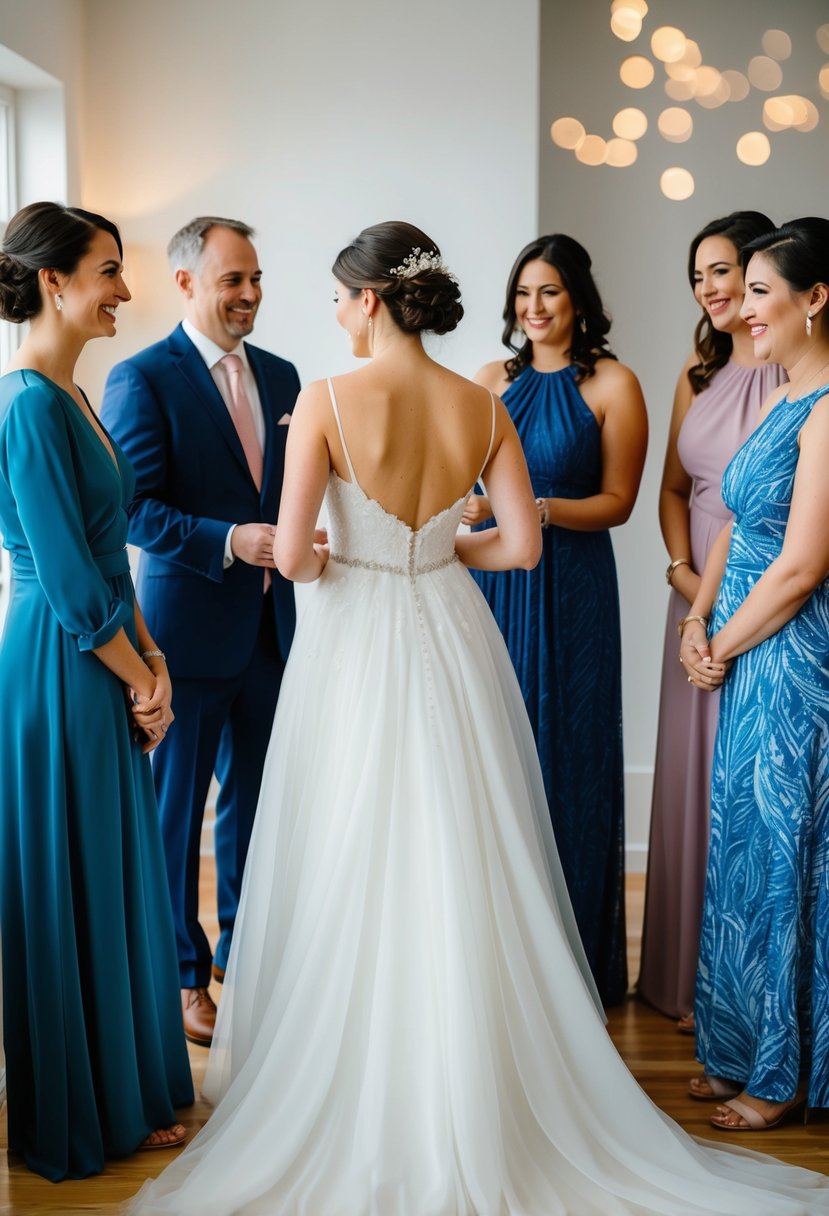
x=660, y=1059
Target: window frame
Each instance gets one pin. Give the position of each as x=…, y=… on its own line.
x=10, y=335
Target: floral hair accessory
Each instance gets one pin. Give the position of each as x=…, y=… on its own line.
x=418, y=261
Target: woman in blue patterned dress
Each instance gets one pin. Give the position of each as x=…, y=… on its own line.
x=762, y=1003
x=582, y=423
x=96, y=1059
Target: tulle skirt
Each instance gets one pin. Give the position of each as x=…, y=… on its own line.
x=407, y=1025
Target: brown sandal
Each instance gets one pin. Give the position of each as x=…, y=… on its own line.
x=753, y=1120
x=181, y=1136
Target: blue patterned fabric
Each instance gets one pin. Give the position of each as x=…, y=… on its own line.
x=763, y=982
x=561, y=625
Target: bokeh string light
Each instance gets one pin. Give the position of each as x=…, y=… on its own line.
x=689, y=79
x=677, y=184
x=753, y=148
x=630, y=123
x=676, y=125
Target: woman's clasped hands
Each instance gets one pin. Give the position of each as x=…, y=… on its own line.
x=698, y=656
x=152, y=715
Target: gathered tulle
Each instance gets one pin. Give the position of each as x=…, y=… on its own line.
x=408, y=1026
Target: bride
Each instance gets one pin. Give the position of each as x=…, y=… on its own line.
x=408, y=1026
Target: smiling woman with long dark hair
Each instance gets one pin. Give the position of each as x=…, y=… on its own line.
x=716, y=407
x=581, y=419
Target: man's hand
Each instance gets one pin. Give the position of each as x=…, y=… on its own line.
x=253, y=543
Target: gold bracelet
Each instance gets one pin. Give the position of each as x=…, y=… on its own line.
x=703, y=620
x=669, y=573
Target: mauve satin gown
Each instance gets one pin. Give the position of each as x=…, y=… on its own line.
x=718, y=422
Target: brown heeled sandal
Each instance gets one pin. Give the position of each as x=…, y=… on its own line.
x=146, y=1145
x=753, y=1120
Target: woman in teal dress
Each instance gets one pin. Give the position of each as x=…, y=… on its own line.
x=96, y=1059
x=762, y=1002
x=581, y=420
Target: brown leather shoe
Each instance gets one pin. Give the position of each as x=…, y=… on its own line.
x=218, y=973
x=199, y=1013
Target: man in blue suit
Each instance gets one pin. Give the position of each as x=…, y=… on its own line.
x=206, y=435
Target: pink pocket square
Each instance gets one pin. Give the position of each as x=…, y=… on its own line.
x=284, y=420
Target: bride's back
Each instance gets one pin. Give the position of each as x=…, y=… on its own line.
x=417, y=442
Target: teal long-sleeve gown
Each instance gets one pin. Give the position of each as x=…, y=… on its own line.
x=95, y=1052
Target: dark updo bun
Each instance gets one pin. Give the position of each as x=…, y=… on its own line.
x=426, y=298
x=19, y=291
x=43, y=236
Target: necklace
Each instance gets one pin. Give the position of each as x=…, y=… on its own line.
x=815, y=380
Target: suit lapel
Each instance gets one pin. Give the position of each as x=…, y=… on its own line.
x=275, y=435
x=194, y=370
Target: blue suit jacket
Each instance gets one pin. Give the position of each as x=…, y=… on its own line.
x=193, y=482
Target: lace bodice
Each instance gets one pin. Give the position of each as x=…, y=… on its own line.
x=363, y=533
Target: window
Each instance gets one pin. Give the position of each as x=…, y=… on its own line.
x=8, y=202
x=9, y=334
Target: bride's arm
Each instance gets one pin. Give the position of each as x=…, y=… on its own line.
x=516, y=542
x=307, y=465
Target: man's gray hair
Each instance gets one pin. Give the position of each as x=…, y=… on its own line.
x=187, y=246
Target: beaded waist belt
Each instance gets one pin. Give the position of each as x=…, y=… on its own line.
x=411, y=571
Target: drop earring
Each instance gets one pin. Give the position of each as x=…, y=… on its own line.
x=583, y=324
x=59, y=302
x=808, y=325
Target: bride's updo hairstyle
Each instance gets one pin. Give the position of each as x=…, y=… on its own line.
x=43, y=236
x=405, y=270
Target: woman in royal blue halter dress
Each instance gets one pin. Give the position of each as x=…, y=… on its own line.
x=581, y=420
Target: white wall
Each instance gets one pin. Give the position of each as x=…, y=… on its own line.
x=639, y=243
x=310, y=121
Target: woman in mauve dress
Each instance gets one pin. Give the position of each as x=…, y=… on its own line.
x=716, y=407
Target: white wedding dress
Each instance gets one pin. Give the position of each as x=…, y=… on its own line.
x=407, y=1027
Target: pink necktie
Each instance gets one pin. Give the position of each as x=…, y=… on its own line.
x=242, y=416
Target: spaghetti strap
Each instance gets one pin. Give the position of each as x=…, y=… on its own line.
x=491, y=439
x=340, y=429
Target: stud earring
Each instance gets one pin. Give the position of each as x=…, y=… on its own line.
x=808, y=325
x=59, y=302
